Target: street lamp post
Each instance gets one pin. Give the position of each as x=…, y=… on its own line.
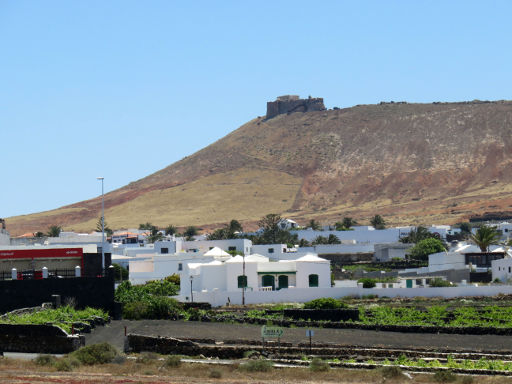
x=191, y=291
x=102, y=227
x=243, y=279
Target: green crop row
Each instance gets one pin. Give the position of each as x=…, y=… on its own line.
x=62, y=317
x=490, y=316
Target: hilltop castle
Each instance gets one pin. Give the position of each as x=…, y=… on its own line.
x=292, y=103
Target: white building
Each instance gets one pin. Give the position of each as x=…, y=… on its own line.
x=261, y=274
x=157, y=266
x=5, y=239
x=203, y=246
x=389, y=251
x=502, y=269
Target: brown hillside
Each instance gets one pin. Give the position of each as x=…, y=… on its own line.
x=411, y=163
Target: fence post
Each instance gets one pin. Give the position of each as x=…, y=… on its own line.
x=78, y=271
x=45, y=273
x=14, y=274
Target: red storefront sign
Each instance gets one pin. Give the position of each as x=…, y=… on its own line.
x=41, y=253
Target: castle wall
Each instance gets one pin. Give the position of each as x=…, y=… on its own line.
x=291, y=105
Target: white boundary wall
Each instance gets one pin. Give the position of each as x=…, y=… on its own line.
x=301, y=295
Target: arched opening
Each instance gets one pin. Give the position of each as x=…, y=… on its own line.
x=283, y=281
x=268, y=281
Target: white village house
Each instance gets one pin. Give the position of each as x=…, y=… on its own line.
x=215, y=278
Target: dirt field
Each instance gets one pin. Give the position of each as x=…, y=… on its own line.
x=153, y=373
x=114, y=332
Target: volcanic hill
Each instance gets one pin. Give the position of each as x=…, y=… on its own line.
x=410, y=163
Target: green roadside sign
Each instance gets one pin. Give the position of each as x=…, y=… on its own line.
x=268, y=332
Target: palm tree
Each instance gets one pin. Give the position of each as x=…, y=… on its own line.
x=348, y=222
x=54, y=231
x=313, y=224
x=485, y=236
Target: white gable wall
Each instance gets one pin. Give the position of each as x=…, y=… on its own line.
x=304, y=269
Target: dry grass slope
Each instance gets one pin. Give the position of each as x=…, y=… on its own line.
x=412, y=163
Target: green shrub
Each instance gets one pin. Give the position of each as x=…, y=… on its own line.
x=257, y=366
x=174, y=279
x=135, y=310
x=318, y=365
x=63, y=317
x=172, y=361
x=45, y=360
x=444, y=377
x=426, y=247
x=64, y=365
x=161, y=307
x=215, y=374
x=367, y=282
x=391, y=372
x=324, y=303
x=101, y=353
x=438, y=282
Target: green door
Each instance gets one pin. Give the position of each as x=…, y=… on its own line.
x=268, y=281
x=283, y=281
x=408, y=283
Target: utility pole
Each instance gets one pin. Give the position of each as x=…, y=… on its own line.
x=102, y=228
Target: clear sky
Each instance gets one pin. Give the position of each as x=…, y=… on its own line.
x=121, y=89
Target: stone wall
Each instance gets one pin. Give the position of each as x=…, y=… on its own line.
x=37, y=339
x=279, y=107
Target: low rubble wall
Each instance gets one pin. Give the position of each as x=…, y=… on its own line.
x=37, y=339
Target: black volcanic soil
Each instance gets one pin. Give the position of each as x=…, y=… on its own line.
x=114, y=334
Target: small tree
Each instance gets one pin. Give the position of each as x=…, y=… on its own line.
x=54, y=231
x=120, y=273
x=108, y=231
x=465, y=227
x=416, y=235
x=190, y=232
x=154, y=233
x=39, y=234
x=170, y=230
x=314, y=225
x=320, y=240
x=304, y=243
x=486, y=236
x=339, y=226
x=333, y=239
x=348, y=222
x=378, y=222
x=368, y=282
x=270, y=225
x=235, y=226
x=426, y=247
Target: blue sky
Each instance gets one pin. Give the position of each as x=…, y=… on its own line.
x=121, y=89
